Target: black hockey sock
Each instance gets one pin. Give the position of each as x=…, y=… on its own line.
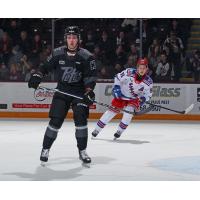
x=81, y=137
x=49, y=137
x=82, y=143
x=47, y=142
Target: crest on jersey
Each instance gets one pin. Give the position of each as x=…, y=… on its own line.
x=61, y=62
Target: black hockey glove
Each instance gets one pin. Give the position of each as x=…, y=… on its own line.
x=89, y=97
x=35, y=80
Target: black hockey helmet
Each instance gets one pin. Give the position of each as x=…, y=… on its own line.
x=74, y=30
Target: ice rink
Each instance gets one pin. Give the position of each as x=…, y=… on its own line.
x=148, y=150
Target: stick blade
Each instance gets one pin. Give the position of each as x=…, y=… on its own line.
x=187, y=110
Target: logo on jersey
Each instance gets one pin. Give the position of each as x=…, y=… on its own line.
x=61, y=62
x=131, y=89
x=49, y=58
x=71, y=75
x=92, y=65
x=141, y=89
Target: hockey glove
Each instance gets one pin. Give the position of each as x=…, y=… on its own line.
x=117, y=91
x=142, y=100
x=89, y=97
x=35, y=80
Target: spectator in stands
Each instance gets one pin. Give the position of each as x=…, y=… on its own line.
x=1, y=33
x=196, y=66
x=104, y=73
x=189, y=57
x=174, y=27
x=174, y=47
x=37, y=44
x=98, y=57
x=36, y=50
x=131, y=62
x=97, y=52
x=161, y=33
x=153, y=54
x=45, y=53
x=130, y=24
x=24, y=66
x=4, y=72
x=134, y=51
x=5, y=47
x=121, y=40
x=14, y=75
x=89, y=43
x=29, y=71
x=16, y=55
x=13, y=31
x=24, y=43
x=163, y=69
x=119, y=56
x=117, y=69
x=106, y=46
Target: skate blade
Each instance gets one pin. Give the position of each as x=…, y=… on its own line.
x=115, y=138
x=86, y=165
x=43, y=164
x=93, y=138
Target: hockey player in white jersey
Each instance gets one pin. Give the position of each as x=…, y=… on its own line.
x=132, y=88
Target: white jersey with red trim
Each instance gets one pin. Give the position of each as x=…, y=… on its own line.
x=132, y=89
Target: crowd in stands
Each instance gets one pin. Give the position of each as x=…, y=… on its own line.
x=115, y=44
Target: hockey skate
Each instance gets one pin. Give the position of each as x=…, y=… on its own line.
x=86, y=160
x=94, y=134
x=117, y=135
x=44, y=157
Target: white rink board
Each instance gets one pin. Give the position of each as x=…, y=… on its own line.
x=19, y=98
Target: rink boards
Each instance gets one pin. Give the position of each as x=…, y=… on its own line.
x=17, y=100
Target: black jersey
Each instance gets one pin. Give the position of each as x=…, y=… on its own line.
x=73, y=73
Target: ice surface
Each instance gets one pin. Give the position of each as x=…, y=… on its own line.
x=148, y=150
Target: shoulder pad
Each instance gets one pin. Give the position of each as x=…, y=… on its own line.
x=130, y=71
x=84, y=53
x=59, y=50
x=148, y=80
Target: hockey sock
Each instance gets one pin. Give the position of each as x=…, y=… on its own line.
x=126, y=119
x=49, y=137
x=81, y=137
x=105, y=118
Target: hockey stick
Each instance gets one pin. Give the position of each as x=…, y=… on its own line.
x=78, y=97
x=187, y=110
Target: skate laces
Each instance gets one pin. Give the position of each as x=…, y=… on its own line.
x=45, y=153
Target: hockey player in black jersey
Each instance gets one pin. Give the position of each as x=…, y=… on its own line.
x=76, y=74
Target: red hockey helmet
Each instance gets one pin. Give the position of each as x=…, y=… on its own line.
x=142, y=61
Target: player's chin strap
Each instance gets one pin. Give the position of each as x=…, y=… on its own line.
x=78, y=97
